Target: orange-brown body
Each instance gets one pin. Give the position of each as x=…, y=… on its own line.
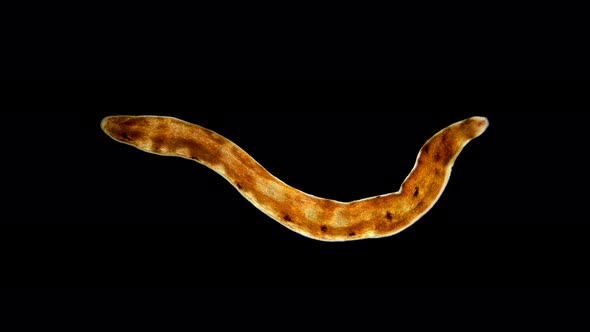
x=314, y=217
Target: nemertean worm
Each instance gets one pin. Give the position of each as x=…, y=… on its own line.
x=311, y=216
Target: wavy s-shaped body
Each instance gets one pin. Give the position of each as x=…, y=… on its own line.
x=314, y=217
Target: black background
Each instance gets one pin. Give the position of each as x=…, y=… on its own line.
x=249, y=41
x=82, y=211
x=85, y=211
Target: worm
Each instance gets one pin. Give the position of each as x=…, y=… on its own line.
x=311, y=216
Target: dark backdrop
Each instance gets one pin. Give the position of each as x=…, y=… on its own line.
x=84, y=210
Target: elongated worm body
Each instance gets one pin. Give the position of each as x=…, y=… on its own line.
x=314, y=217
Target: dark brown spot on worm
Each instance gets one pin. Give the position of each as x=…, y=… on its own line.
x=158, y=140
x=351, y=234
x=287, y=218
x=388, y=215
x=419, y=205
x=416, y=191
x=240, y=187
x=324, y=228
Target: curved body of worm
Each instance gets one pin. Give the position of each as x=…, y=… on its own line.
x=314, y=217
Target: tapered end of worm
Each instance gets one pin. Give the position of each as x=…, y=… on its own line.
x=124, y=128
x=475, y=126
x=107, y=124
